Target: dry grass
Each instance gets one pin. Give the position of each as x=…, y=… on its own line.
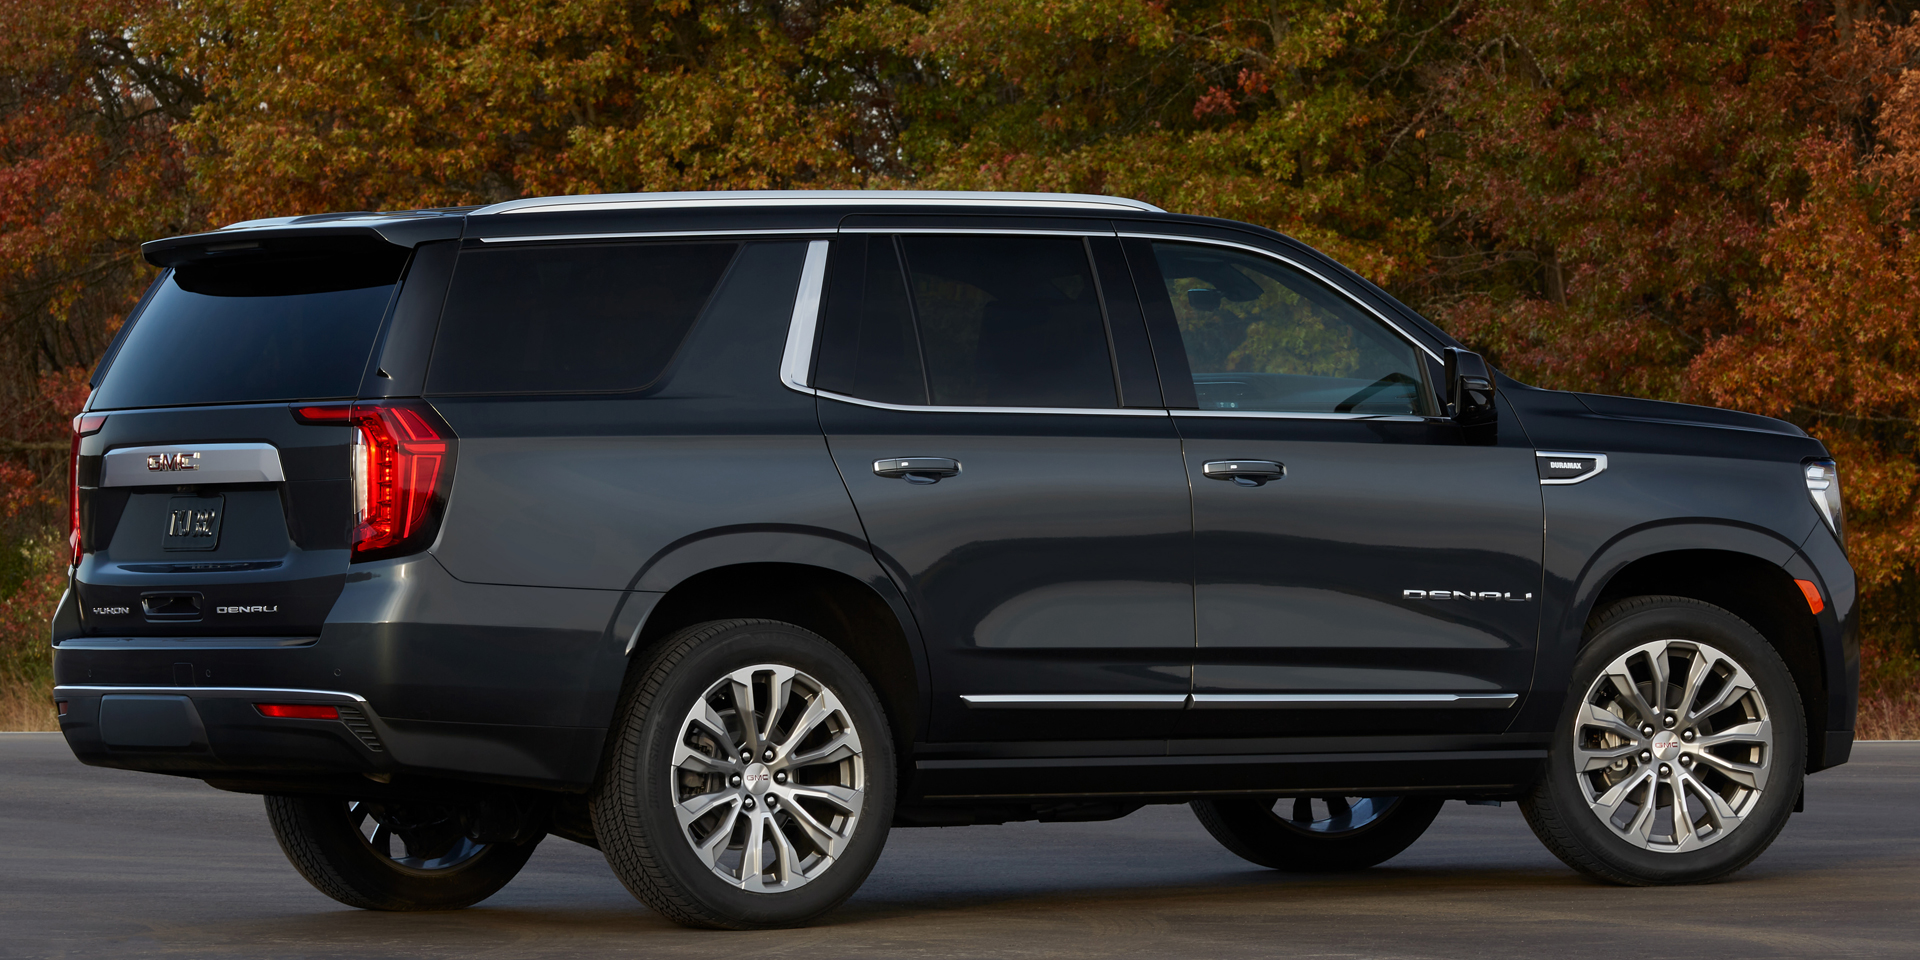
x=26, y=707
x=1889, y=718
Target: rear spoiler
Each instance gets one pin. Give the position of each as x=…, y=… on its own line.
x=254, y=237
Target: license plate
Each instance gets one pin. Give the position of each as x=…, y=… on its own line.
x=193, y=523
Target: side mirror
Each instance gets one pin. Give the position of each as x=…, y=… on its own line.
x=1469, y=388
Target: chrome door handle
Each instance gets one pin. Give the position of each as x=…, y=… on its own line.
x=917, y=469
x=1247, y=473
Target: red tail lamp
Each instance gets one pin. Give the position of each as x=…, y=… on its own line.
x=84, y=425
x=298, y=711
x=402, y=457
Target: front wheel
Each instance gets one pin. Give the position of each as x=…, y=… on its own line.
x=1680, y=753
x=1318, y=834
x=384, y=855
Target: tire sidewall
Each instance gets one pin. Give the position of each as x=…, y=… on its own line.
x=652, y=793
x=1681, y=620
x=371, y=881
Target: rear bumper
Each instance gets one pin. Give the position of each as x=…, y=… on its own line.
x=433, y=677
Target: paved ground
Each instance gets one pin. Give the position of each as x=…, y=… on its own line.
x=105, y=863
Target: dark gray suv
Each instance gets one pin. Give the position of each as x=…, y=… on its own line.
x=725, y=532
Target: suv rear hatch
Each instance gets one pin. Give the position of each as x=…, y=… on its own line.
x=215, y=491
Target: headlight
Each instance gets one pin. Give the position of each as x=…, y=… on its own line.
x=1823, y=485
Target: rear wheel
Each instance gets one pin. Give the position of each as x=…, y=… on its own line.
x=751, y=781
x=1318, y=834
x=381, y=855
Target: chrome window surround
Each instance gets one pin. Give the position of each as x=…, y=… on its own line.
x=800, y=198
x=797, y=362
x=1599, y=467
x=1231, y=701
x=659, y=234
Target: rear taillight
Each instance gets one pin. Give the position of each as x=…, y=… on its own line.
x=84, y=425
x=402, y=463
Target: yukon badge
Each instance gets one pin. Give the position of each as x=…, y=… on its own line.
x=1462, y=595
x=173, y=461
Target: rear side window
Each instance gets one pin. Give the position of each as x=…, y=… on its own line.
x=287, y=323
x=970, y=321
x=577, y=318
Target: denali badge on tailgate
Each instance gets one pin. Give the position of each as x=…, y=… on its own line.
x=193, y=523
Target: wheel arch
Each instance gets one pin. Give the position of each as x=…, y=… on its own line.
x=1739, y=569
x=827, y=585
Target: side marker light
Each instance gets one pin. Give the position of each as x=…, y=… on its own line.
x=1814, y=603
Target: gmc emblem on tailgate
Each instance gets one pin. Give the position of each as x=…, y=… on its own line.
x=173, y=461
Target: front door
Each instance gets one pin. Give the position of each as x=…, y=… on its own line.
x=976, y=399
x=1363, y=565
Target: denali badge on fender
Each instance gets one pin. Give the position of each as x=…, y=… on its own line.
x=1462, y=595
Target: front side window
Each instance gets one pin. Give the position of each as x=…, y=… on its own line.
x=968, y=321
x=1262, y=336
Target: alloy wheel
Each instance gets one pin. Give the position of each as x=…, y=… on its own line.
x=768, y=778
x=417, y=838
x=1672, y=745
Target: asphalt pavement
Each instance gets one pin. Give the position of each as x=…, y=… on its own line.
x=105, y=863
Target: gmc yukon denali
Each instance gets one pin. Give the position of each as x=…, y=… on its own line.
x=725, y=532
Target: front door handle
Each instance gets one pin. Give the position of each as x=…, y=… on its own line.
x=917, y=469
x=1247, y=473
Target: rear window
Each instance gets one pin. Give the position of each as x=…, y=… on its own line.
x=574, y=318
x=295, y=325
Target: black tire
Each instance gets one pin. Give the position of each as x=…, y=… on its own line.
x=438, y=868
x=1666, y=849
x=635, y=805
x=1282, y=834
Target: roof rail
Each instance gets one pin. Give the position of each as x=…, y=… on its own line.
x=787, y=198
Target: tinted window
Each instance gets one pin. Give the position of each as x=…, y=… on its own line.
x=297, y=326
x=867, y=343
x=1009, y=321
x=570, y=319
x=1262, y=336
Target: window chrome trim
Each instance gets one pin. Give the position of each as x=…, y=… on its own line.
x=650, y=234
x=1075, y=701
x=796, y=363
x=1306, y=415
x=1231, y=701
x=1284, y=701
x=1599, y=467
x=1317, y=275
x=88, y=690
x=813, y=198
x=995, y=231
x=919, y=408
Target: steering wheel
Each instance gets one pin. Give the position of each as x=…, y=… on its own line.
x=1361, y=395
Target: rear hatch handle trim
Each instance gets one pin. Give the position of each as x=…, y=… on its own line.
x=191, y=463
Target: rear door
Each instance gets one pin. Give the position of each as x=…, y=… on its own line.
x=990, y=402
x=1362, y=564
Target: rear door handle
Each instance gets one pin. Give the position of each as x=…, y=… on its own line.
x=1247, y=473
x=917, y=469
